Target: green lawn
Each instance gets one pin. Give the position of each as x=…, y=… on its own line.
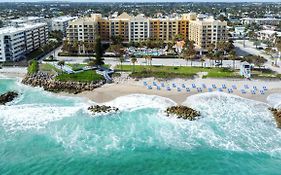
x=77, y=67
x=86, y=76
x=176, y=71
x=49, y=68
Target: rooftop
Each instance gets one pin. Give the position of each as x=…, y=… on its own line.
x=24, y=19
x=23, y=27
x=63, y=18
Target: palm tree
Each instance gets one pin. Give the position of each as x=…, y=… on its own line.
x=188, y=54
x=134, y=60
x=232, y=56
x=202, y=60
x=61, y=63
x=148, y=59
x=122, y=60
x=91, y=62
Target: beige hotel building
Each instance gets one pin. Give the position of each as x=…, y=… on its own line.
x=203, y=31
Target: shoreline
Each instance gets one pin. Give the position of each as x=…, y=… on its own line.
x=109, y=92
x=128, y=86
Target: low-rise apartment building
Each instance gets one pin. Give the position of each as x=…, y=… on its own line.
x=15, y=42
x=268, y=35
x=261, y=21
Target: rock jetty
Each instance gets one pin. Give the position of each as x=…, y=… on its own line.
x=8, y=97
x=183, y=112
x=277, y=116
x=49, y=83
x=97, y=109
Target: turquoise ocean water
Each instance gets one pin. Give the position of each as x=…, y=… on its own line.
x=41, y=133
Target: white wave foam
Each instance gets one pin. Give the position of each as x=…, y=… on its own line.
x=229, y=122
x=274, y=100
x=22, y=117
x=141, y=101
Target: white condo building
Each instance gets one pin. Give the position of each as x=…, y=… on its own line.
x=60, y=23
x=24, y=20
x=15, y=42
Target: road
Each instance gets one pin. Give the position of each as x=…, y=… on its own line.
x=113, y=61
x=240, y=49
x=250, y=49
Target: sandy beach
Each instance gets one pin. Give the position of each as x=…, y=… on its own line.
x=13, y=72
x=128, y=86
x=125, y=86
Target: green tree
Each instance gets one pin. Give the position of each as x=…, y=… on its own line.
x=189, y=52
x=134, y=60
x=121, y=60
x=99, y=52
x=61, y=63
x=232, y=56
x=1, y=24
x=117, y=39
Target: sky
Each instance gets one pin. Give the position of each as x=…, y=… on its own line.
x=142, y=0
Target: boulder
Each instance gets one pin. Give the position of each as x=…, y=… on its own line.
x=8, y=97
x=49, y=83
x=97, y=109
x=277, y=115
x=183, y=112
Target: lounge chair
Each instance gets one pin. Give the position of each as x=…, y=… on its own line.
x=230, y=91
x=179, y=89
x=193, y=85
x=210, y=90
x=264, y=88
x=183, y=85
x=234, y=87
x=243, y=91
x=204, y=86
x=174, y=85
x=187, y=90
x=223, y=86
x=199, y=90
x=255, y=88
x=220, y=89
x=253, y=92
x=168, y=88
x=246, y=86
x=214, y=86
x=262, y=92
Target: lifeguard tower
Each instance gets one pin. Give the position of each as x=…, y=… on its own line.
x=245, y=69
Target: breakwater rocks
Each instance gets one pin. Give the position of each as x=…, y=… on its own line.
x=49, y=83
x=183, y=112
x=8, y=97
x=102, y=109
x=277, y=116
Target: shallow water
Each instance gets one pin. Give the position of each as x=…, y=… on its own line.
x=41, y=133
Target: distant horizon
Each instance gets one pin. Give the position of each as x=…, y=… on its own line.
x=147, y=1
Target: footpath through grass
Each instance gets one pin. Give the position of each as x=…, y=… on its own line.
x=176, y=71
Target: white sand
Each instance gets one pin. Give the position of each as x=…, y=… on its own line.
x=125, y=86
x=109, y=92
x=13, y=71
